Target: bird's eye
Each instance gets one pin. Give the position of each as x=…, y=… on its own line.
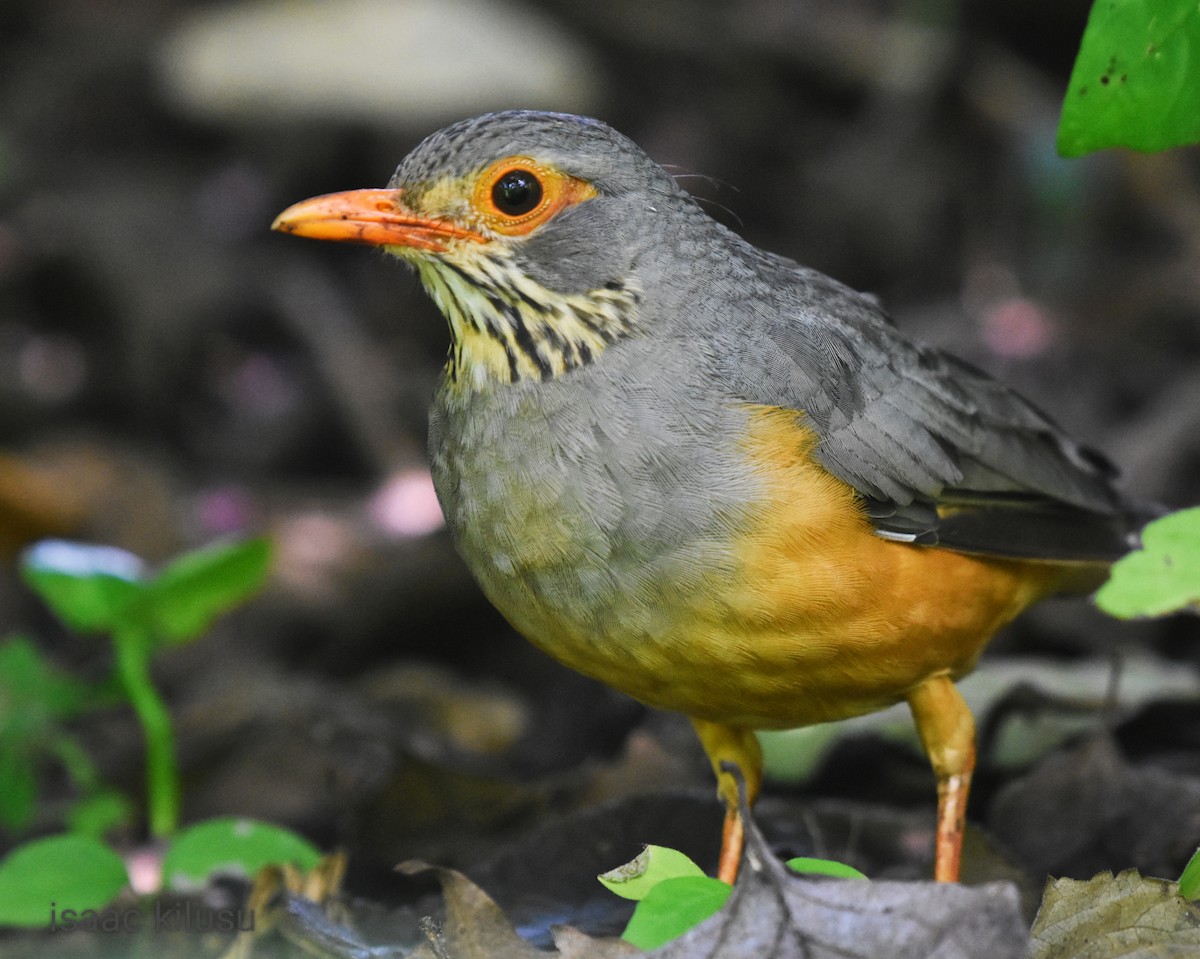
x=517, y=192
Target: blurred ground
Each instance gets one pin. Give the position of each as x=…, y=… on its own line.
x=170, y=371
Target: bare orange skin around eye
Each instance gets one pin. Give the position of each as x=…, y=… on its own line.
x=559, y=190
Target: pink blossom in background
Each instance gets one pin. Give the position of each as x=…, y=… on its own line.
x=406, y=505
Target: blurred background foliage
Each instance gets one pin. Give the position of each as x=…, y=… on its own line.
x=171, y=371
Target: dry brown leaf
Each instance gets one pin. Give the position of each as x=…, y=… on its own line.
x=1127, y=917
x=476, y=928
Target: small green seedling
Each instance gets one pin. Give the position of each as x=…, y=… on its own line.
x=59, y=879
x=100, y=589
x=96, y=589
x=673, y=894
x=37, y=703
x=1162, y=577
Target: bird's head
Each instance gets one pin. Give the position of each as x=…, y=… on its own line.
x=534, y=233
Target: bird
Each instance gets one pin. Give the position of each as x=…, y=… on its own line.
x=712, y=478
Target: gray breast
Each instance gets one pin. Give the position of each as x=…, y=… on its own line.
x=599, y=497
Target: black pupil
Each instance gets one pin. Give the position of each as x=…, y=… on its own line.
x=517, y=192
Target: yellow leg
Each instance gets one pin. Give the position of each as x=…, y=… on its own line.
x=735, y=745
x=947, y=729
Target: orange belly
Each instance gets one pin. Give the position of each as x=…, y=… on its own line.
x=821, y=618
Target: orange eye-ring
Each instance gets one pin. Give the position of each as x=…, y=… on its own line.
x=517, y=194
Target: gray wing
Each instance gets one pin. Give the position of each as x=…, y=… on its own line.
x=941, y=452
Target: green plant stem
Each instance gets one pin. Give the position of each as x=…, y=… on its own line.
x=162, y=776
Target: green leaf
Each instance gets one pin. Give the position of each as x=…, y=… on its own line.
x=29, y=681
x=1163, y=577
x=673, y=907
x=97, y=814
x=193, y=590
x=1189, y=879
x=34, y=698
x=88, y=587
x=824, y=867
x=60, y=872
x=232, y=845
x=1136, y=82
x=18, y=787
x=651, y=866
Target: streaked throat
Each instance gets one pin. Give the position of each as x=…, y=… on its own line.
x=506, y=327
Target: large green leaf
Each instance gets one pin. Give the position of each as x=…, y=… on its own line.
x=1136, y=82
x=70, y=872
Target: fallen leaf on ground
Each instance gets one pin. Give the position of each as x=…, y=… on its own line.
x=1126, y=917
x=476, y=928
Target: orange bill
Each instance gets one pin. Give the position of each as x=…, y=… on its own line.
x=374, y=217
